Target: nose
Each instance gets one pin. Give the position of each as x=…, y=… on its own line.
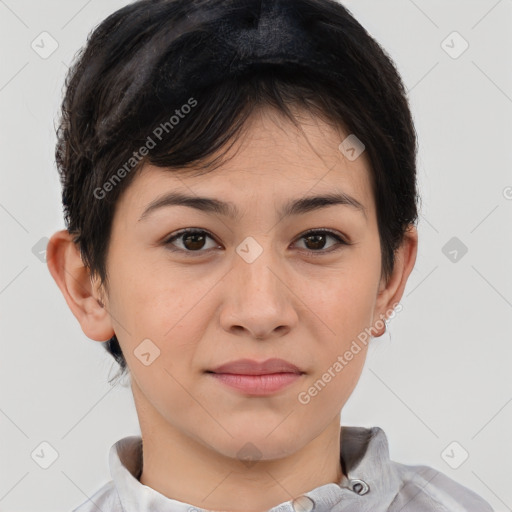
x=259, y=297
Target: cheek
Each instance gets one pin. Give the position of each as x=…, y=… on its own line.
x=156, y=307
x=169, y=306
x=146, y=303
x=344, y=301
x=148, y=288
x=346, y=307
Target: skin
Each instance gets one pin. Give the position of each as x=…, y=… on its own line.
x=206, y=310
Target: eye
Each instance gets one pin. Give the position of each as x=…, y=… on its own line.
x=193, y=240
x=315, y=239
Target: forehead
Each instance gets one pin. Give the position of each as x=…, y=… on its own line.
x=271, y=158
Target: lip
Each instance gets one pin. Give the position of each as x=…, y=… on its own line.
x=251, y=367
x=257, y=378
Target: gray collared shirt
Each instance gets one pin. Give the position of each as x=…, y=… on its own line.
x=374, y=484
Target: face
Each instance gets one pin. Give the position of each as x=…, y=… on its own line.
x=256, y=286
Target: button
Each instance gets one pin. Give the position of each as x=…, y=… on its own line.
x=303, y=504
x=359, y=486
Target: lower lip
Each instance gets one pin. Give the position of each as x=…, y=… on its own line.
x=257, y=384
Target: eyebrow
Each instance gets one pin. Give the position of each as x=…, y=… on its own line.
x=292, y=207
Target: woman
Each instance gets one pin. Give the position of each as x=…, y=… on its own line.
x=239, y=186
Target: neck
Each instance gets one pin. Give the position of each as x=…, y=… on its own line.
x=189, y=470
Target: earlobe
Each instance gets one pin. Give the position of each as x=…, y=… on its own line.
x=405, y=258
x=73, y=278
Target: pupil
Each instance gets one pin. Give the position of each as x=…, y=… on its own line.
x=194, y=245
x=318, y=239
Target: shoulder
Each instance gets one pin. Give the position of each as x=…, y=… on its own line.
x=424, y=488
x=105, y=499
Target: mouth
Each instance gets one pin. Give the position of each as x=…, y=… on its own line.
x=251, y=367
x=257, y=378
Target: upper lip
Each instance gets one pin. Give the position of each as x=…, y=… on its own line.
x=251, y=367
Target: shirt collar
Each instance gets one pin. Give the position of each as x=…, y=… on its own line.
x=371, y=478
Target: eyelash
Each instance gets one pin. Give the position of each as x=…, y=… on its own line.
x=320, y=252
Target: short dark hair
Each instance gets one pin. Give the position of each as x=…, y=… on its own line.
x=190, y=73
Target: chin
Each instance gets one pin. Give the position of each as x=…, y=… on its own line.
x=252, y=442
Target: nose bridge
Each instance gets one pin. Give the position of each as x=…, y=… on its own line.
x=257, y=299
x=258, y=289
x=256, y=259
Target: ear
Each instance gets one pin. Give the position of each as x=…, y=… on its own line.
x=73, y=278
x=390, y=293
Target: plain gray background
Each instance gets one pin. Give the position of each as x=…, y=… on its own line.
x=443, y=376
